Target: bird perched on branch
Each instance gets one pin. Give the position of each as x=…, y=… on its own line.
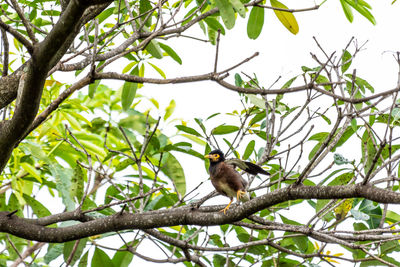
x=226, y=180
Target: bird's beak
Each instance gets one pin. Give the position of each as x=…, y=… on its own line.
x=212, y=157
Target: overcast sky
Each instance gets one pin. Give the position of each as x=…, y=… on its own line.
x=282, y=53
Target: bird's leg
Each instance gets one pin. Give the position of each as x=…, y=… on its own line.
x=227, y=207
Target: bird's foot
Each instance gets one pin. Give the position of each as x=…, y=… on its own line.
x=241, y=194
x=224, y=210
x=227, y=207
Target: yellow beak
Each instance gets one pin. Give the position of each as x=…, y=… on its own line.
x=213, y=157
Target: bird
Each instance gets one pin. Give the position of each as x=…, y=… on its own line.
x=226, y=180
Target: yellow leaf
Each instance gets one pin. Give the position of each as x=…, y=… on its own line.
x=93, y=237
x=178, y=229
x=342, y=210
x=51, y=83
x=48, y=83
x=286, y=18
x=331, y=260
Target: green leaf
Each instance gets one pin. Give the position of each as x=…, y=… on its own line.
x=195, y=139
x=227, y=13
x=36, y=151
x=171, y=53
x=225, y=129
x=347, y=10
x=129, y=66
x=185, y=146
x=38, y=208
x=363, y=83
x=346, y=61
x=162, y=201
x=289, y=82
x=144, y=6
x=53, y=252
x=31, y=170
x=258, y=102
x=392, y=217
x=188, y=130
x=321, y=203
x=200, y=123
x=286, y=18
x=93, y=148
x=78, y=118
x=33, y=14
x=77, y=182
x=174, y=171
x=300, y=241
x=238, y=80
x=354, y=124
x=218, y=260
x=339, y=159
x=214, y=24
x=122, y=258
x=154, y=49
x=255, y=22
x=92, y=88
x=83, y=262
x=101, y=259
x=129, y=91
x=249, y=149
x=362, y=8
x=72, y=120
x=342, y=179
x=212, y=35
x=105, y=14
x=170, y=109
x=373, y=211
x=62, y=177
x=68, y=249
x=368, y=150
x=239, y=7
x=358, y=215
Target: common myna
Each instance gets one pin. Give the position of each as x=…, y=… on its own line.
x=226, y=180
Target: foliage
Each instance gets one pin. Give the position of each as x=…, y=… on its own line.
x=100, y=151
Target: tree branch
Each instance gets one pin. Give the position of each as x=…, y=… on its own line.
x=205, y=216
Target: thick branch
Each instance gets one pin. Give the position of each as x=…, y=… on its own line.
x=207, y=216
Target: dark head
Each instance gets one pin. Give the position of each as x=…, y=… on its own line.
x=215, y=156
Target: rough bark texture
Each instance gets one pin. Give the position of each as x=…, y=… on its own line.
x=35, y=229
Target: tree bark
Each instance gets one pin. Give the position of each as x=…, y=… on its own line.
x=33, y=229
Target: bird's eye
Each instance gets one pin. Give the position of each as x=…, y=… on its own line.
x=216, y=156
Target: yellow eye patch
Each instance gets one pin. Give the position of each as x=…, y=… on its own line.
x=213, y=157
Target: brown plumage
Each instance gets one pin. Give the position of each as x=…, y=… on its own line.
x=226, y=180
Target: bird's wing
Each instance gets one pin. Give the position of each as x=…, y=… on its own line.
x=247, y=166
